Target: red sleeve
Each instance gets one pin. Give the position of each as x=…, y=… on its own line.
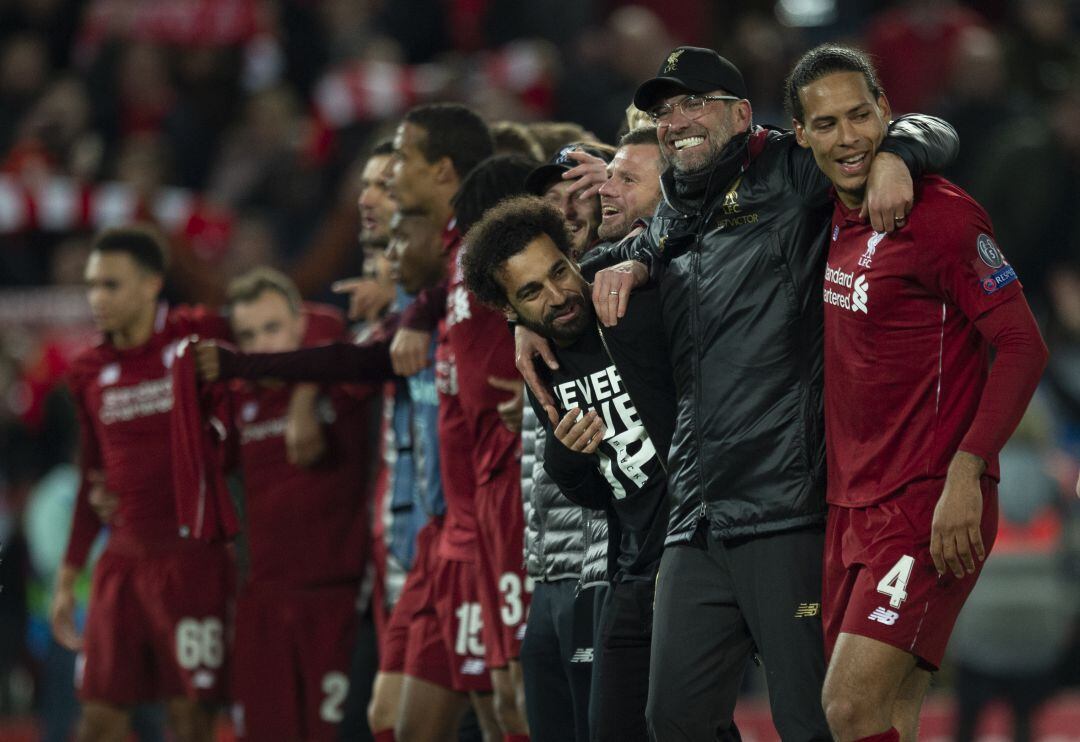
x=960, y=257
x=426, y=311
x=1019, y=360
x=325, y=324
x=220, y=405
x=336, y=363
x=198, y=320
x=85, y=525
x=964, y=264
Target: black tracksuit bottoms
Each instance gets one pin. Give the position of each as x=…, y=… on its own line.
x=556, y=662
x=719, y=601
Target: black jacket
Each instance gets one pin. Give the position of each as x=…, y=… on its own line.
x=741, y=279
x=562, y=540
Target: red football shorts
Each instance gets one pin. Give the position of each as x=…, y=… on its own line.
x=445, y=645
x=156, y=625
x=504, y=588
x=879, y=579
x=394, y=641
x=291, y=661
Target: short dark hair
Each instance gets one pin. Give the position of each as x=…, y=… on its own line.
x=504, y=232
x=642, y=135
x=554, y=135
x=455, y=131
x=253, y=284
x=382, y=147
x=514, y=137
x=494, y=179
x=142, y=242
x=825, y=60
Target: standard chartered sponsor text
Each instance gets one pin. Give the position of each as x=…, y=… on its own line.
x=120, y=404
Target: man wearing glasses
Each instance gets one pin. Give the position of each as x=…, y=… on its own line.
x=737, y=249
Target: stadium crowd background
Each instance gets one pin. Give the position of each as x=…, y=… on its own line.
x=236, y=126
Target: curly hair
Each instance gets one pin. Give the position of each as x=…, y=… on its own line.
x=503, y=232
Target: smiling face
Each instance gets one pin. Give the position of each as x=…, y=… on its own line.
x=582, y=216
x=632, y=190
x=546, y=292
x=843, y=125
x=693, y=145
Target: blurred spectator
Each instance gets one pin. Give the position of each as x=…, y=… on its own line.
x=512, y=137
x=264, y=165
x=976, y=100
x=556, y=21
x=420, y=26
x=1061, y=380
x=762, y=50
x=611, y=62
x=349, y=28
x=1043, y=53
x=60, y=121
x=1017, y=623
x=145, y=93
x=554, y=135
x=912, y=43
x=24, y=69
x=54, y=21
x=208, y=88
x=1028, y=180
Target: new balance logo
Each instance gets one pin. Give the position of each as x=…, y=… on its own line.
x=883, y=616
x=808, y=610
x=473, y=666
x=582, y=655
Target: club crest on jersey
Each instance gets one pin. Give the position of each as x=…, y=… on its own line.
x=249, y=411
x=109, y=375
x=871, y=247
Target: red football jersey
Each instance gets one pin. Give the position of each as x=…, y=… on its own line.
x=123, y=399
x=306, y=527
x=905, y=366
x=474, y=343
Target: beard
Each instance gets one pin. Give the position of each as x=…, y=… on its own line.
x=563, y=333
x=715, y=143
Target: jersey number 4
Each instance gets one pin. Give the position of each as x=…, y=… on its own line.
x=894, y=583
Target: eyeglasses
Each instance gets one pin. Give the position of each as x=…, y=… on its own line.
x=692, y=106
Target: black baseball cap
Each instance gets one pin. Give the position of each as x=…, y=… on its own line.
x=540, y=179
x=693, y=69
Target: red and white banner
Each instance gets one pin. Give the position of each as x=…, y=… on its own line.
x=367, y=90
x=181, y=22
x=66, y=205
